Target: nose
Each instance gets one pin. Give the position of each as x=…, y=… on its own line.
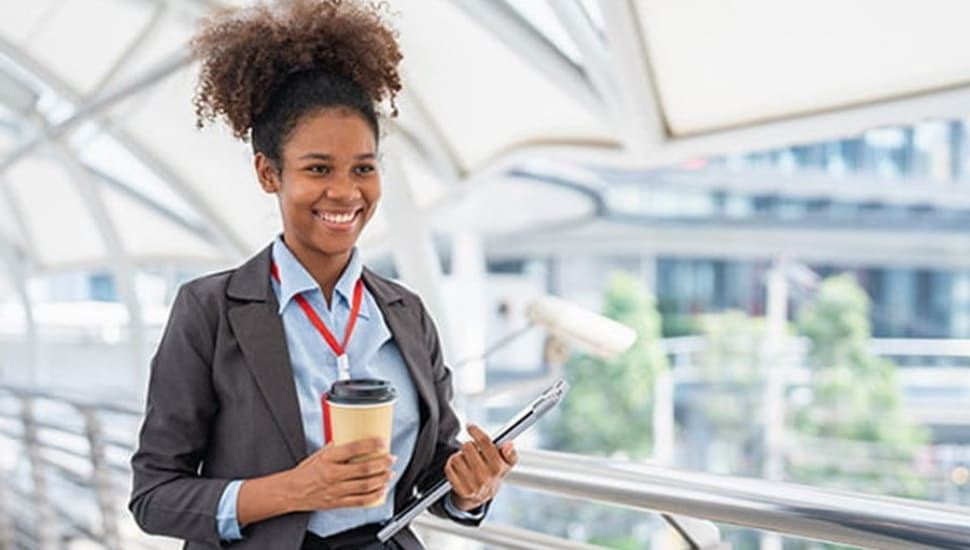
x=342, y=189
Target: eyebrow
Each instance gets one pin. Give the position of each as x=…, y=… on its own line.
x=323, y=156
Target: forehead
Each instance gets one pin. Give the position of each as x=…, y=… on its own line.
x=331, y=131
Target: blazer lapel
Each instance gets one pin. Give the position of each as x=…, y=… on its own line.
x=259, y=331
x=404, y=322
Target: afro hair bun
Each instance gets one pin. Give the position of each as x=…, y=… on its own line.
x=246, y=55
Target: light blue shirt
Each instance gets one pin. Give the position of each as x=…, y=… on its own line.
x=372, y=353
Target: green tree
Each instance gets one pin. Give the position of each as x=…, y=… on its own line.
x=609, y=407
x=732, y=347
x=674, y=322
x=855, y=395
x=727, y=406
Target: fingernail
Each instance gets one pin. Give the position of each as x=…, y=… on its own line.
x=393, y=459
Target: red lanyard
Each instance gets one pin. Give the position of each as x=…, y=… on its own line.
x=339, y=349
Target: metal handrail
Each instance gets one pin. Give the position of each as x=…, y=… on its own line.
x=787, y=508
x=503, y=536
x=798, y=510
x=899, y=347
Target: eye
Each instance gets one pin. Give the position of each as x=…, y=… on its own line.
x=319, y=169
x=365, y=169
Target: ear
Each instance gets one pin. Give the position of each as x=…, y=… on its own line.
x=267, y=173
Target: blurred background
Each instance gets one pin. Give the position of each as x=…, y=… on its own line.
x=775, y=195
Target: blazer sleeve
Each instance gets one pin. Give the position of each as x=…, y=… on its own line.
x=168, y=496
x=448, y=423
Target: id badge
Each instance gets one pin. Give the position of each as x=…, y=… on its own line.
x=343, y=367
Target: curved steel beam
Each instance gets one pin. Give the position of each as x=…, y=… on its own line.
x=200, y=231
x=597, y=62
x=228, y=239
x=500, y=19
x=644, y=125
x=423, y=132
x=100, y=102
x=592, y=192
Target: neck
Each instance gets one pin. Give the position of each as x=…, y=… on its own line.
x=325, y=269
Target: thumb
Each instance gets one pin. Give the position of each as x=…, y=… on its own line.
x=509, y=454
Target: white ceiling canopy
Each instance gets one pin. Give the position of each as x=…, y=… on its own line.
x=489, y=85
x=723, y=65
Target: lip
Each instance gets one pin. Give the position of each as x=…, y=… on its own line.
x=339, y=226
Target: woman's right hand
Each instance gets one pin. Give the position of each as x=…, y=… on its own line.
x=327, y=479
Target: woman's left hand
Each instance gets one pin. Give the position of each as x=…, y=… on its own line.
x=476, y=471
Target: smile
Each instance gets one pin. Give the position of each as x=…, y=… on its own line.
x=338, y=220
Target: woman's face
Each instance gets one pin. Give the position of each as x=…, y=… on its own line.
x=329, y=185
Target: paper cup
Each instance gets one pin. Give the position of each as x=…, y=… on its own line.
x=359, y=409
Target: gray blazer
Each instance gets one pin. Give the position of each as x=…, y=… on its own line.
x=222, y=405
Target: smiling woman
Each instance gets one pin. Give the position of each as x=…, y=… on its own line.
x=328, y=188
x=234, y=450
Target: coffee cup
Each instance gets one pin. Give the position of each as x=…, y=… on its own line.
x=358, y=409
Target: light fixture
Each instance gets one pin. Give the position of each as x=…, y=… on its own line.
x=584, y=329
x=568, y=325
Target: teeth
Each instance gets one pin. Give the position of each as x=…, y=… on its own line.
x=337, y=218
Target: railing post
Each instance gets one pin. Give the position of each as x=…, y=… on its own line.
x=45, y=520
x=663, y=418
x=6, y=516
x=101, y=480
x=773, y=393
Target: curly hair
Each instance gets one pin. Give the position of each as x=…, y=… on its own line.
x=263, y=68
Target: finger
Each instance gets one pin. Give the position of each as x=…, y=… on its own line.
x=457, y=484
x=487, y=449
x=466, y=476
x=457, y=473
x=347, y=451
x=354, y=501
x=480, y=471
x=509, y=454
x=378, y=465
x=368, y=468
x=361, y=486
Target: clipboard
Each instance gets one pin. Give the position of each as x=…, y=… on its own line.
x=512, y=429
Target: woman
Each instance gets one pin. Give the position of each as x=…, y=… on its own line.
x=231, y=450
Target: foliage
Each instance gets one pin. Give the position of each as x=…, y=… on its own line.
x=675, y=323
x=609, y=408
x=855, y=395
x=727, y=406
x=732, y=346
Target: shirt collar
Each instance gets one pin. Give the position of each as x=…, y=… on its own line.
x=295, y=279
